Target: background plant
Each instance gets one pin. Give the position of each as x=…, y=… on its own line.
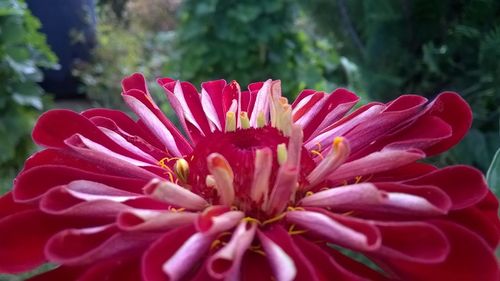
x=425, y=46
x=23, y=51
x=252, y=40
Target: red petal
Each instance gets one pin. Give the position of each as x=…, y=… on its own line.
x=417, y=242
x=116, y=269
x=89, y=245
x=470, y=258
x=305, y=269
x=65, y=273
x=9, y=207
x=325, y=266
x=124, y=122
x=161, y=250
x=455, y=111
x=30, y=185
x=463, y=184
x=23, y=237
x=482, y=219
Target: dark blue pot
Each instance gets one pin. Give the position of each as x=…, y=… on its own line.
x=70, y=27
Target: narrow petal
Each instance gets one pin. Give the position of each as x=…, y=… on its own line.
x=224, y=177
x=192, y=251
x=217, y=219
x=174, y=194
x=154, y=124
x=162, y=250
x=261, y=176
x=366, y=197
x=374, y=163
x=151, y=220
x=227, y=261
x=282, y=265
x=364, y=238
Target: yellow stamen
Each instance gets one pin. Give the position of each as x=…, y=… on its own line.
x=230, y=121
x=337, y=142
x=261, y=120
x=315, y=152
x=282, y=153
x=274, y=219
x=309, y=193
x=297, y=232
x=215, y=243
x=245, y=122
x=250, y=219
x=358, y=179
x=181, y=169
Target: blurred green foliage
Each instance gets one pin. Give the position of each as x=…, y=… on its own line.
x=22, y=51
x=425, y=46
x=124, y=47
x=252, y=40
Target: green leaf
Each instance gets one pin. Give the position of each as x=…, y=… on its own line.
x=493, y=174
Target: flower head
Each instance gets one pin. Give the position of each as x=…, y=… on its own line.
x=259, y=189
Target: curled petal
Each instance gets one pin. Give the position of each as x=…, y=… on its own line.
x=346, y=232
x=374, y=163
x=417, y=242
x=464, y=185
x=223, y=176
x=227, y=261
x=282, y=265
x=174, y=194
x=368, y=198
x=187, y=256
x=217, y=219
x=150, y=220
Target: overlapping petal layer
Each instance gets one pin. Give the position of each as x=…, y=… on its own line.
x=259, y=190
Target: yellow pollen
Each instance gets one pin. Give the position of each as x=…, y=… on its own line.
x=282, y=153
x=309, y=193
x=215, y=243
x=274, y=219
x=348, y=213
x=245, y=122
x=358, y=179
x=181, y=168
x=290, y=209
x=336, y=143
x=230, y=121
x=315, y=152
x=261, y=120
x=250, y=219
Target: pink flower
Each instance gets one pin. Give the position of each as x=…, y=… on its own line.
x=259, y=190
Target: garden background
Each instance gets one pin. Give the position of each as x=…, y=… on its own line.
x=378, y=49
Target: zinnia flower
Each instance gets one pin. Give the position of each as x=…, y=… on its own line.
x=257, y=190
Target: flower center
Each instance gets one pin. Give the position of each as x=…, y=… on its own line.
x=240, y=149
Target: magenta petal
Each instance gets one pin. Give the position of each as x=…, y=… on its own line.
x=325, y=266
x=30, y=185
x=470, y=258
x=376, y=162
x=58, y=201
x=161, y=250
x=88, y=245
x=305, y=269
x=455, y=111
x=463, y=184
x=417, y=242
x=123, y=268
